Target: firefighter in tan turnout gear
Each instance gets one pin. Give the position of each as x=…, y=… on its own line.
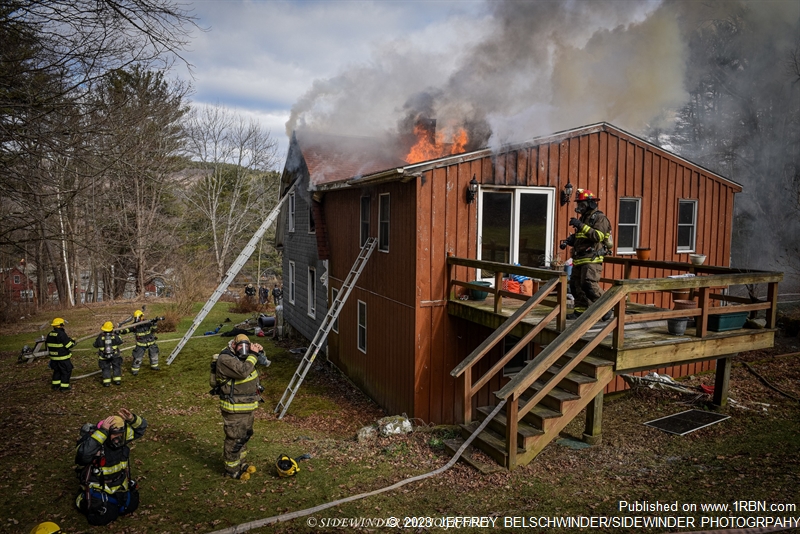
x=590, y=242
x=145, y=333
x=235, y=379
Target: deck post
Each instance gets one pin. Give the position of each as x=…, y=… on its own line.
x=467, y=398
x=772, y=298
x=498, y=286
x=512, y=411
x=722, y=381
x=593, y=432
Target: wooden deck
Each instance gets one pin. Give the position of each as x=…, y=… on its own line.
x=648, y=345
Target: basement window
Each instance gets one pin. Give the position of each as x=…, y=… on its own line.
x=383, y=223
x=312, y=292
x=334, y=294
x=628, y=225
x=291, y=282
x=291, y=212
x=362, y=326
x=364, y=220
x=687, y=225
x=519, y=360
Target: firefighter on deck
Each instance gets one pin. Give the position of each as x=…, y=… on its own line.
x=103, y=458
x=145, y=333
x=235, y=379
x=109, y=356
x=589, y=244
x=59, y=347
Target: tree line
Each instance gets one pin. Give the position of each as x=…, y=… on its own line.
x=109, y=179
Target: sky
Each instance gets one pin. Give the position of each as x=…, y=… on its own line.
x=259, y=57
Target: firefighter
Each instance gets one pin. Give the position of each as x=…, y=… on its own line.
x=102, y=455
x=592, y=235
x=145, y=333
x=235, y=379
x=250, y=292
x=59, y=346
x=110, y=358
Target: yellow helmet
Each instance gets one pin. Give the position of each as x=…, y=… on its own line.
x=108, y=326
x=137, y=314
x=47, y=527
x=58, y=321
x=240, y=338
x=286, y=466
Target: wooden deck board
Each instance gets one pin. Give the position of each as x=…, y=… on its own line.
x=647, y=345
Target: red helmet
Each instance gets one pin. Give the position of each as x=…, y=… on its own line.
x=585, y=194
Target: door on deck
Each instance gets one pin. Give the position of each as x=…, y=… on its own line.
x=515, y=225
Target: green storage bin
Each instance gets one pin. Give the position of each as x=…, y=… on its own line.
x=727, y=321
x=479, y=295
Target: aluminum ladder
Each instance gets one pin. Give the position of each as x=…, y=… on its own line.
x=325, y=327
x=234, y=269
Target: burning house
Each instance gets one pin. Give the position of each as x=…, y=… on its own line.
x=403, y=335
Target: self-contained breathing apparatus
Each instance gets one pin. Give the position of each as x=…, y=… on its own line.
x=108, y=346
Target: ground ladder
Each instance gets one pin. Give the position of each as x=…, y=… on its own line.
x=325, y=328
x=247, y=251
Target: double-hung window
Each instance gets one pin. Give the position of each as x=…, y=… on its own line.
x=364, y=220
x=291, y=212
x=628, y=225
x=291, y=282
x=312, y=292
x=687, y=225
x=383, y=222
x=362, y=326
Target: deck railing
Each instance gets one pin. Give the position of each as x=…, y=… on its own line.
x=707, y=284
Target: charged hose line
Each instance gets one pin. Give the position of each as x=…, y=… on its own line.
x=244, y=527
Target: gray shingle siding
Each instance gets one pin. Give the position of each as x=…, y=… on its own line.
x=300, y=246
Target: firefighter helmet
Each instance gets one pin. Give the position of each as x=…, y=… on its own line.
x=585, y=194
x=241, y=338
x=137, y=314
x=48, y=527
x=287, y=466
x=108, y=326
x=58, y=321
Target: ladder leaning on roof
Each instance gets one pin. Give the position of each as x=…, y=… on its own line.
x=325, y=327
x=247, y=251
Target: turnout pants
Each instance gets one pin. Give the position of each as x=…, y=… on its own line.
x=111, y=368
x=138, y=356
x=585, y=285
x=62, y=371
x=238, y=430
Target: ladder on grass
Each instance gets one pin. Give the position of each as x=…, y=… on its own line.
x=325, y=327
x=247, y=251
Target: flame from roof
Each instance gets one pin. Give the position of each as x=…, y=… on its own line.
x=425, y=150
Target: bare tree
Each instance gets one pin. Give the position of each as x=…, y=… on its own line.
x=234, y=157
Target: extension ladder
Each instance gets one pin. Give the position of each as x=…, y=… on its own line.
x=325, y=327
x=247, y=251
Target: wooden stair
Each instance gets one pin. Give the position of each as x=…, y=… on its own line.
x=543, y=422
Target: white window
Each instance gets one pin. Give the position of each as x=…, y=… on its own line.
x=515, y=225
x=291, y=212
x=383, y=223
x=687, y=225
x=334, y=294
x=362, y=326
x=364, y=220
x=291, y=282
x=312, y=292
x=312, y=226
x=628, y=225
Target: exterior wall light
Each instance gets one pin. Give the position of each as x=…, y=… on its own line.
x=472, y=190
x=566, y=194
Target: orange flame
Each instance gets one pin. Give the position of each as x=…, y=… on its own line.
x=425, y=150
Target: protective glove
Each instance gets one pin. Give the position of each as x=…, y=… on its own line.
x=576, y=223
x=262, y=360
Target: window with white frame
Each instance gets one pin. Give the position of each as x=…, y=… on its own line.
x=628, y=225
x=334, y=294
x=291, y=282
x=383, y=222
x=291, y=212
x=364, y=220
x=362, y=326
x=312, y=292
x=312, y=225
x=687, y=225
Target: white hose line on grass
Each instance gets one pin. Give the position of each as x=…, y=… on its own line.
x=244, y=527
